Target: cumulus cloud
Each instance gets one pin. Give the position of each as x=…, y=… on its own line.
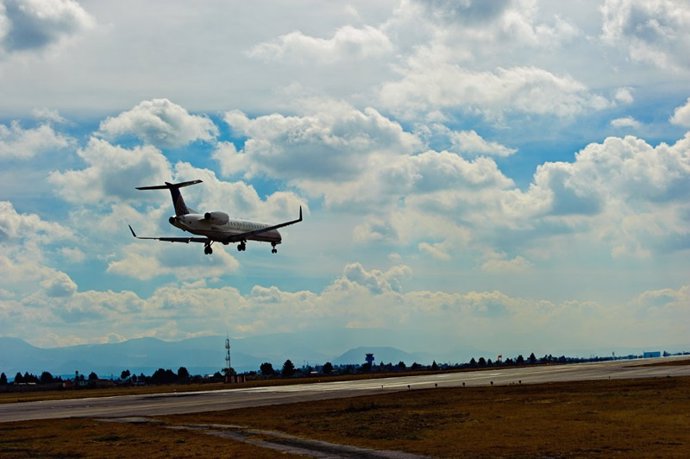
x=161, y=123
x=35, y=24
x=112, y=173
x=499, y=263
x=347, y=43
x=624, y=96
x=25, y=275
x=333, y=144
x=417, y=197
x=625, y=194
x=152, y=259
x=19, y=143
x=470, y=142
x=429, y=86
x=626, y=122
x=19, y=227
x=359, y=297
x=46, y=114
x=654, y=32
x=665, y=299
x=60, y=285
x=375, y=281
x=681, y=115
x=376, y=230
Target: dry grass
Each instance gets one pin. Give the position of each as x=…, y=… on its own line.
x=624, y=418
x=89, y=438
x=634, y=418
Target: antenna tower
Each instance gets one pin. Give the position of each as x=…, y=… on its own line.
x=227, y=356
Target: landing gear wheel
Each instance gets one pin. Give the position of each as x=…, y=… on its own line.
x=274, y=251
x=241, y=247
x=208, y=250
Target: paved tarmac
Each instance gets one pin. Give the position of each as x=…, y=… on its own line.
x=227, y=399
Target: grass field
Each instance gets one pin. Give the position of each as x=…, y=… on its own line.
x=623, y=418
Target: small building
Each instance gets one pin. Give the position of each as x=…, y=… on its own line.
x=651, y=355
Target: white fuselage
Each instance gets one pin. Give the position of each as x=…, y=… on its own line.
x=197, y=224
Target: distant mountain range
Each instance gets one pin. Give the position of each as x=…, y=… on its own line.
x=205, y=355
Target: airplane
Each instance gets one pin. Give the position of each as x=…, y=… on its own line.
x=214, y=226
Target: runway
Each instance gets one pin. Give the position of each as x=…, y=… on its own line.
x=227, y=399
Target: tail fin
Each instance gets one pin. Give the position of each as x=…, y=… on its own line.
x=178, y=201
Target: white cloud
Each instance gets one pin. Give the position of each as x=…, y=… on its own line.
x=681, y=115
x=25, y=276
x=470, y=142
x=624, y=96
x=375, y=230
x=626, y=122
x=625, y=191
x=19, y=143
x=112, y=173
x=23, y=228
x=375, y=281
x=161, y=123
x=653, y=31
x=35, y=24
x=46, y=114
x=625, y=195
x=347, y=43
x=429, y=86
x=60, y=285
x=498, y=263
x=359, y=297
x=336, y=143
x=146, y=260
x=497, y=25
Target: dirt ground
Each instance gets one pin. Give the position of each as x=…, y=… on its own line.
x=624, y=418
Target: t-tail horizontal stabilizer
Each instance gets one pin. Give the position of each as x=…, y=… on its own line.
x=178, y=201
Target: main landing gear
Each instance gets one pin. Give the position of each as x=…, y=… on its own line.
x=207, y=248
x=242, y=246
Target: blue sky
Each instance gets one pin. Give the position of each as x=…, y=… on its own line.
x=508, y=174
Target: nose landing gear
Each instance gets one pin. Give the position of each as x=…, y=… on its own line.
x=274, y=250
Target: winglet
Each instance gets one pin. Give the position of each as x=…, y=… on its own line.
x=300, y=214
x=133, y=233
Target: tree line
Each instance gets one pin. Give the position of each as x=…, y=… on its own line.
x=288, y=370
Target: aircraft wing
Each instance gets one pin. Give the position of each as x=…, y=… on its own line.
x=242, y=236
x=186, y=240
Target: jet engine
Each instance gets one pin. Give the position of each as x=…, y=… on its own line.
x=217, y=218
